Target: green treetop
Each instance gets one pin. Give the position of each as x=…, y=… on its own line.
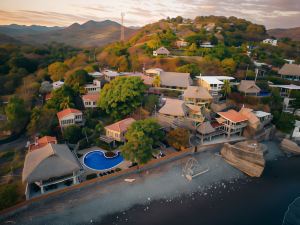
x=122, y=96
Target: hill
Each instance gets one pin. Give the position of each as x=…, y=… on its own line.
x=89, y=34
x=5, y=39
x=15, y=30
x=292, y=33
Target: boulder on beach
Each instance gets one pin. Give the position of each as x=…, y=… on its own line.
x=247, y=156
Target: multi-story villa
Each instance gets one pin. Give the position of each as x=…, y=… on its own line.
x=196, y=95
x=213, y=84
x=95, y=87
x=69, y=117
x=233, y=122
x=90, y=100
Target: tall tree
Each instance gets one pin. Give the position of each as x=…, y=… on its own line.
x=78, y=78
x=16, y=113
x=141, y=136
x=57, y=71
x=226, y=89
x=122, y=96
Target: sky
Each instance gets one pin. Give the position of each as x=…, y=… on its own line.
x=271, y=13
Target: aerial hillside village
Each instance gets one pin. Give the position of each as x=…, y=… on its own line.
x=177, y=85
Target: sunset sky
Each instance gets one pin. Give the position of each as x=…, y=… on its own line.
x=272, y=13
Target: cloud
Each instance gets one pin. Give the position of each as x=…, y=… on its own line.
x=272, y=13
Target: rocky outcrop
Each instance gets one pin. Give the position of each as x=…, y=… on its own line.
x=290, y=146
x=247, y=156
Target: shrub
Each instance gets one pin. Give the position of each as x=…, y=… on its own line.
x=8, y=195
x=178, y=138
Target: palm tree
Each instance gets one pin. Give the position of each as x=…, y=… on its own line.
x=226, y=88
x=66, y=103
x=156, y=81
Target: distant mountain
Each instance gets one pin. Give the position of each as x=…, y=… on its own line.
x=5, y=39
x=17, y=30
x=293, y=33
x=88, y=34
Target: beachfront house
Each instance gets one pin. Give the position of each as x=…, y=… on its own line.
x=69, y=117
x=257, y=120
x=41, y=142
x=290, y=72
x=233, y=122
x=174, y=80
x=208, y=131
x=95, y=87
x=117, y=131
x=270, y=41
x=49, y=167
x=248, y=87
x=162, y=51
x=213, y=84
x=90, y=100
x=196, y=95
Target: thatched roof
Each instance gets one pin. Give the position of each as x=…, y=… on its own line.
x=290, y=69
x=248, y=86
x=205, y=128
x=197, y=92
x=52, y=160
x=174, y=79
x=173, y=107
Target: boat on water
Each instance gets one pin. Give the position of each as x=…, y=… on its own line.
x=247, y=156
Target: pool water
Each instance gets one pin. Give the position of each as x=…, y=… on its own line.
x=96, y=160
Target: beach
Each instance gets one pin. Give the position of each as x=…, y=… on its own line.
x=223, y=195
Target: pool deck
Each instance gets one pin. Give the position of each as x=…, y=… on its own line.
x=124, y=165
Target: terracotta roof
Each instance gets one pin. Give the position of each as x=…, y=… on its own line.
x=290, y=69
x=162, y=50
x=173, y=107
x=52, y=160
x=233, y=116
x=197, y=92
x=41, y=142
x=67, y=112
x=173, y=79
x=121, y=126
x=248, y=86
x=91, y=97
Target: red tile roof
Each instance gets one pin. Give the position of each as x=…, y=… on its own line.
x=91, y=97
x=41, y=142
x=67, y=112
x=121, y=126
x=233, y=116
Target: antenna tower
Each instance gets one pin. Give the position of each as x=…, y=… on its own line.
x=122, y=27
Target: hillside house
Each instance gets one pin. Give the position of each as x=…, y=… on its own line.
x=110, y=75
x=213, y=84
x=232, y=122
x=248, y=87
x=57, y=84
x=95, y=87
x=90, y=100
x=257, y=120
x=153, y=71
x=49, y=167
x=181, y=43
x=196, y=95
x=96, y=75
x=118, y=130
x=270, y=41
x=174, y=80
x=162, y=51
x=290, y=72
x=69, y=117
x=206, y=44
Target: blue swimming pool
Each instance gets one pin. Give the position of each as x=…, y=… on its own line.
x=96, y=160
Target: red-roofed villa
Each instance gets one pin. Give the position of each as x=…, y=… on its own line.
x=69, y=117
x=117, y=130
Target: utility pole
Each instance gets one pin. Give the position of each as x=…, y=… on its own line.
x=122, y=27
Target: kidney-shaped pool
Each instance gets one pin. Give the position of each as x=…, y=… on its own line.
x=97, y=160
